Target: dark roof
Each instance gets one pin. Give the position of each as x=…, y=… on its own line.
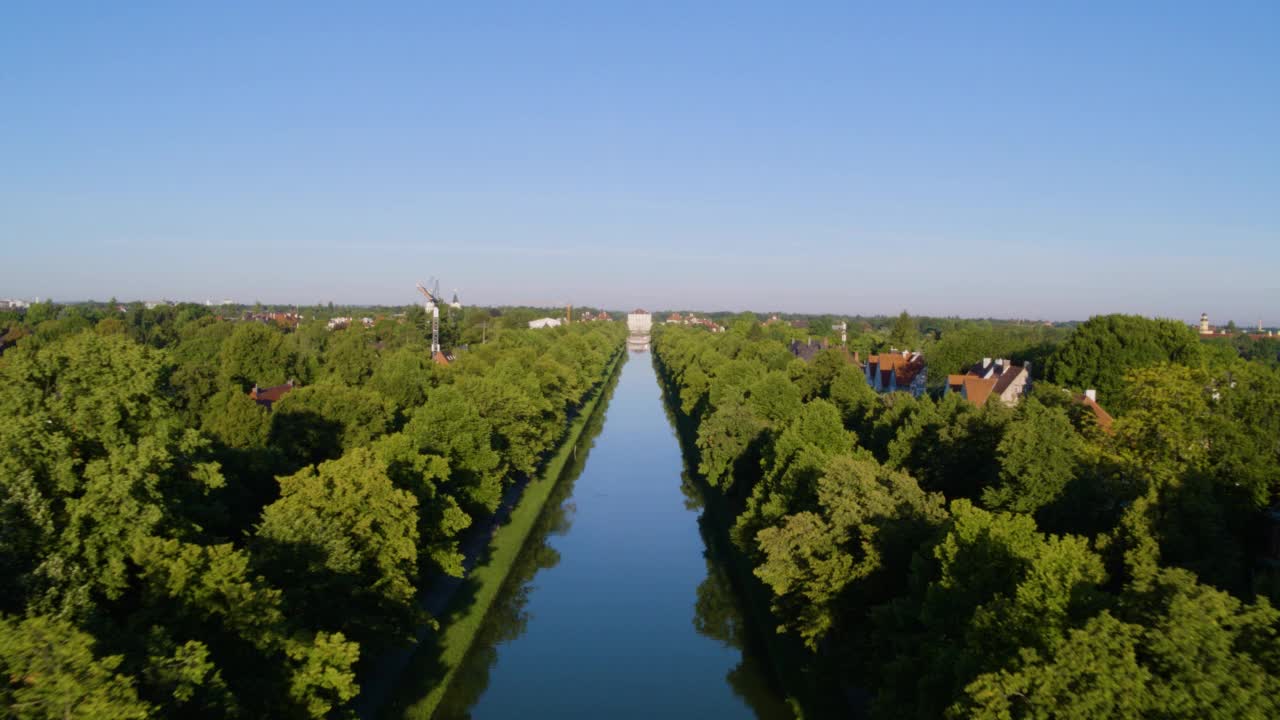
x=1006, y=379
x=267, y=396
x=807, y=350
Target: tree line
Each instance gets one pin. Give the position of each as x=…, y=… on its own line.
x=172, y=548
x=995, y=562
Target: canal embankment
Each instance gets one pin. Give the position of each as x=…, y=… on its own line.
x=412, y=683
x=799, y=674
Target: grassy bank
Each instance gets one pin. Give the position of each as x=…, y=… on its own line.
x=441, y=653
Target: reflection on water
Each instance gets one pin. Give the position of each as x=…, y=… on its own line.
x=507, y=619
x=616, y=607
x=719, y=614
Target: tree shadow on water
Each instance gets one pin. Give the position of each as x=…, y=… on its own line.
x=507, y=619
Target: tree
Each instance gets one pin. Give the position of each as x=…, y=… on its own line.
x=49, y=670
x=255, y=354
x=1180, y=650
x=511, y=403
x=775, y=399
x=451, y=426
x=724, y=438
x=237, y=420
x=1101, y=351
x=350, y=357
x=440, y=518
x=868, y=523
x=277, y=668
x=905, y=335
x=791, y=470
x=1039, y=455
x=404, y=377
x=1094, y=675
x=950, y=446
x=996, y=588
x=342, y=541
x=321, y=422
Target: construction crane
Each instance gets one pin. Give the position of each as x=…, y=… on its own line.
x=433, y=306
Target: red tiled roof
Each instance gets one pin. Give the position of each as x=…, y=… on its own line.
x=905, y=368
x=1104, y=418
x=440, y=358
x=977, y=389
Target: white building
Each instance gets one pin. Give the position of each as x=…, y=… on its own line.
x=545, y=322
x=639, y=322
x=999, y=378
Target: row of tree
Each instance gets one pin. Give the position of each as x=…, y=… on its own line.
x=1005, y=562
x=172, y=548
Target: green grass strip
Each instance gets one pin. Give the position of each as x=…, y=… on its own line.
x=460, y=625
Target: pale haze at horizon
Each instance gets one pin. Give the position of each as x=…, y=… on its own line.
x=993, y=160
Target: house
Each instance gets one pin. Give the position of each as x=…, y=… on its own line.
x=1090, y=400
x=545, y=322
x=266, y=396
x=800, y=324
x=284, y=319
x=440, y=358
x=897, y=371
x=808, y=349
x=1001, y=378
x=694, y=321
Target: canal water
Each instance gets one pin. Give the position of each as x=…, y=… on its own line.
x=616, y=609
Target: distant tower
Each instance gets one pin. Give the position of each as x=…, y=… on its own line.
x=1204, y=324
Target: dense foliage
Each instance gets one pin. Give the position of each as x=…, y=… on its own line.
x=1004, y=562
x=172, y=548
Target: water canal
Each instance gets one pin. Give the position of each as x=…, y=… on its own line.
x=615, y=608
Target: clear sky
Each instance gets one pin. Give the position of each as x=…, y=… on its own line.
x=1009, y=159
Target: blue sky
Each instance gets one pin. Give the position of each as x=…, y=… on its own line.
x=1010, y=159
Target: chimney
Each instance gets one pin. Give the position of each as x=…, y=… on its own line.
x=986, y=362
x=1091, y=394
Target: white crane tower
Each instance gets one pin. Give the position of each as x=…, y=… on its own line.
x=432, y=306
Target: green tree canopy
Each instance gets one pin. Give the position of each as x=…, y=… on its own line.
x=1101, y=351
x=342, y=541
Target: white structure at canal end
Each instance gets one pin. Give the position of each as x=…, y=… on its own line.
x=639, y=323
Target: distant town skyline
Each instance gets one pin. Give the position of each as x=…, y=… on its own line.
x=998, y=160
x=1216, y=322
